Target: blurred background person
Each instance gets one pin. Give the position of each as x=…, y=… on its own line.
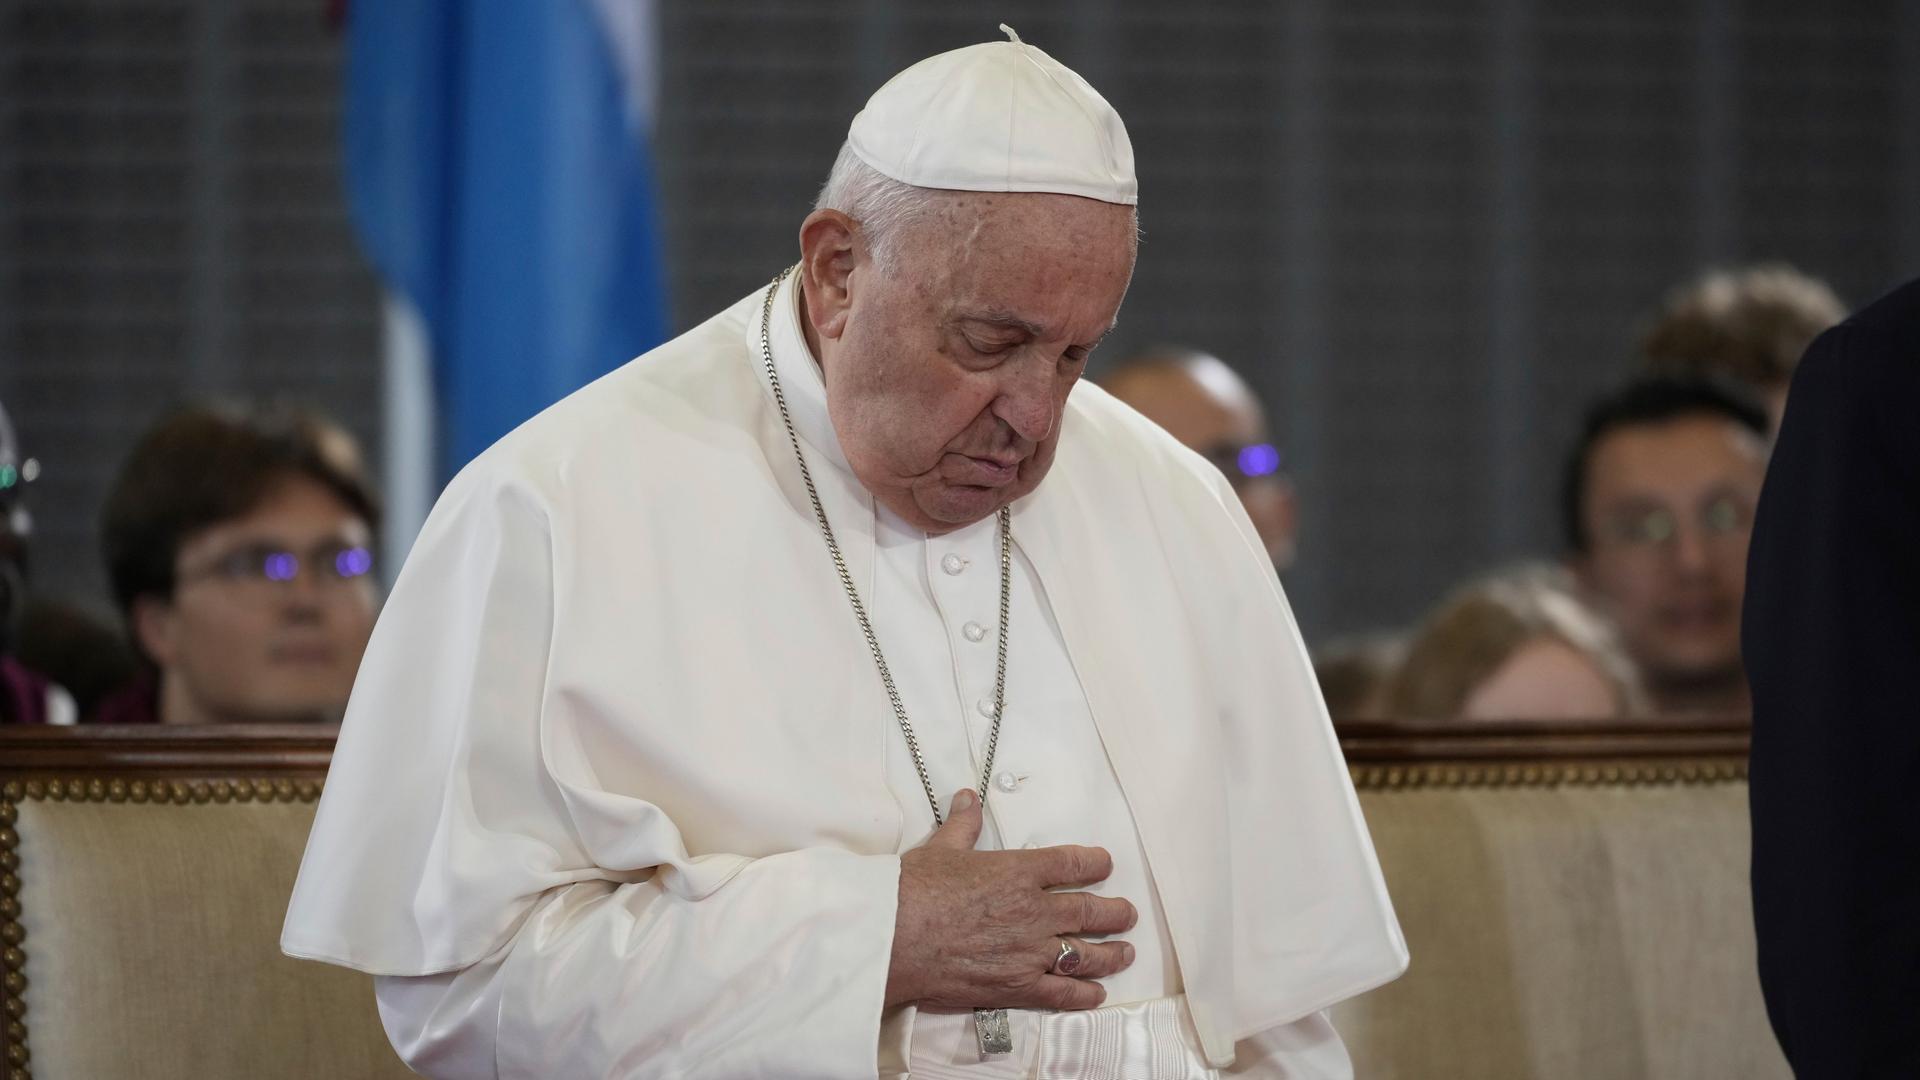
x=1749, y=324
x=1206, y=405
x=1657, y=506
x=26, y=695
x=1515, y=645
x=239, y=543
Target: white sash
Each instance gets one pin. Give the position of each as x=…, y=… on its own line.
x=1145, y=1040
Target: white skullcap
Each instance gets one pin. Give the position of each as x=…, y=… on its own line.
x=1003, y=116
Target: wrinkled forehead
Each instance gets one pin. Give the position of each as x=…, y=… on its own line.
x=1051, y=265
x=1039, y=221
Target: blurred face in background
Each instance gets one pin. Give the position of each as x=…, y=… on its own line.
x=270, y=613
x=1200, y=401
x=1668, y=513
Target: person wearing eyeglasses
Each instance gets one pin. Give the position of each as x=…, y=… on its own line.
x=1657, y=506
x=240, y=547
x=1209, y=408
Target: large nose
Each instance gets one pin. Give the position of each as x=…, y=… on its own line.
x=1026, y=397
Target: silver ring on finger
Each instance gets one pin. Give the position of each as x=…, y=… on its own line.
x=1068, y=960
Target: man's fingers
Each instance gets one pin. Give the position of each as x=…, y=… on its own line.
x=1071, y=864
x=962, y=828
x=1085, y=913
x=1097, y=959
x=1060, y=992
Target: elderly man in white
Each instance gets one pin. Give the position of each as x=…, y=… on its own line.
x=649, y=769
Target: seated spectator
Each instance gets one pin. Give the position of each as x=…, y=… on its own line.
x=1749, y=325
x=239, y=545
x=1356, y=673
x=1515, y=646
x=1202, y=402
x=26, y=695
x=1657, y=504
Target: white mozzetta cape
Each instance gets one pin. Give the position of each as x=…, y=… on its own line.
x=617, y=725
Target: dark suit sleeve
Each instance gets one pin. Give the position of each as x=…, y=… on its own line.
x=1832, y=647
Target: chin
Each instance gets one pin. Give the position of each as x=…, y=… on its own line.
x=960, y=507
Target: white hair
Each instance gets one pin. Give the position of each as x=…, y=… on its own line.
x=884, y=207
x=881, y=205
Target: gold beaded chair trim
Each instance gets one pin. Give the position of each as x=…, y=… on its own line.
x=13, y=935
x=1547, y=774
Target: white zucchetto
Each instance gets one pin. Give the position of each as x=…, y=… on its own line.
x=1003, y=116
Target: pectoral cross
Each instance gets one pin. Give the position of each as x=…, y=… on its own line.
x=995, y=1032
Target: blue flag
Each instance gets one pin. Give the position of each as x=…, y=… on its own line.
x=499, y=178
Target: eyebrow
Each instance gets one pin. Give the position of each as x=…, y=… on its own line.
x=1002, y=318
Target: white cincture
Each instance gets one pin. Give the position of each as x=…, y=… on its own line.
x=1144, y=1040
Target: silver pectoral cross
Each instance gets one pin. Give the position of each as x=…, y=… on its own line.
x=995, y=1032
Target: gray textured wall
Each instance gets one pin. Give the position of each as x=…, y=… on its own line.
x=1425, y=228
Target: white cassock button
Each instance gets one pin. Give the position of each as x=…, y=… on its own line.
x=953, y=564
x=1006, y=781
x=974, y=631
x=985, y=706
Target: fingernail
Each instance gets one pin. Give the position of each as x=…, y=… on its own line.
x=963, y=801
x=1126, y=953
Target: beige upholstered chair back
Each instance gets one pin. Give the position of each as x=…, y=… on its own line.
x=1575, y=900
x=1575, y=907
x=143, y=915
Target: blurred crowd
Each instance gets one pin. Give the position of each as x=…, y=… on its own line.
x=1638, y=612
x=239, y=544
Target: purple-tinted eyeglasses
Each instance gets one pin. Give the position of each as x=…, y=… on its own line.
x=330, y=563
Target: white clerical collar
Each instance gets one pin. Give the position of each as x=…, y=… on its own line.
x=800, y=377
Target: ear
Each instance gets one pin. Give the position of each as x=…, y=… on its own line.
x=155, y=628
x=830, y=245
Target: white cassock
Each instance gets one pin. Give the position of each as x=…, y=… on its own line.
x=620, y=794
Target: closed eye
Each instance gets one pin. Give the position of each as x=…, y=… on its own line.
x=989, y=348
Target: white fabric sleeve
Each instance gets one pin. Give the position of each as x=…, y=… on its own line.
x=527, y=920
x=779, y=973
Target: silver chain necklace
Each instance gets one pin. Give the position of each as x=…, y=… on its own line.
x=991, y=1027
x=860, y=609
